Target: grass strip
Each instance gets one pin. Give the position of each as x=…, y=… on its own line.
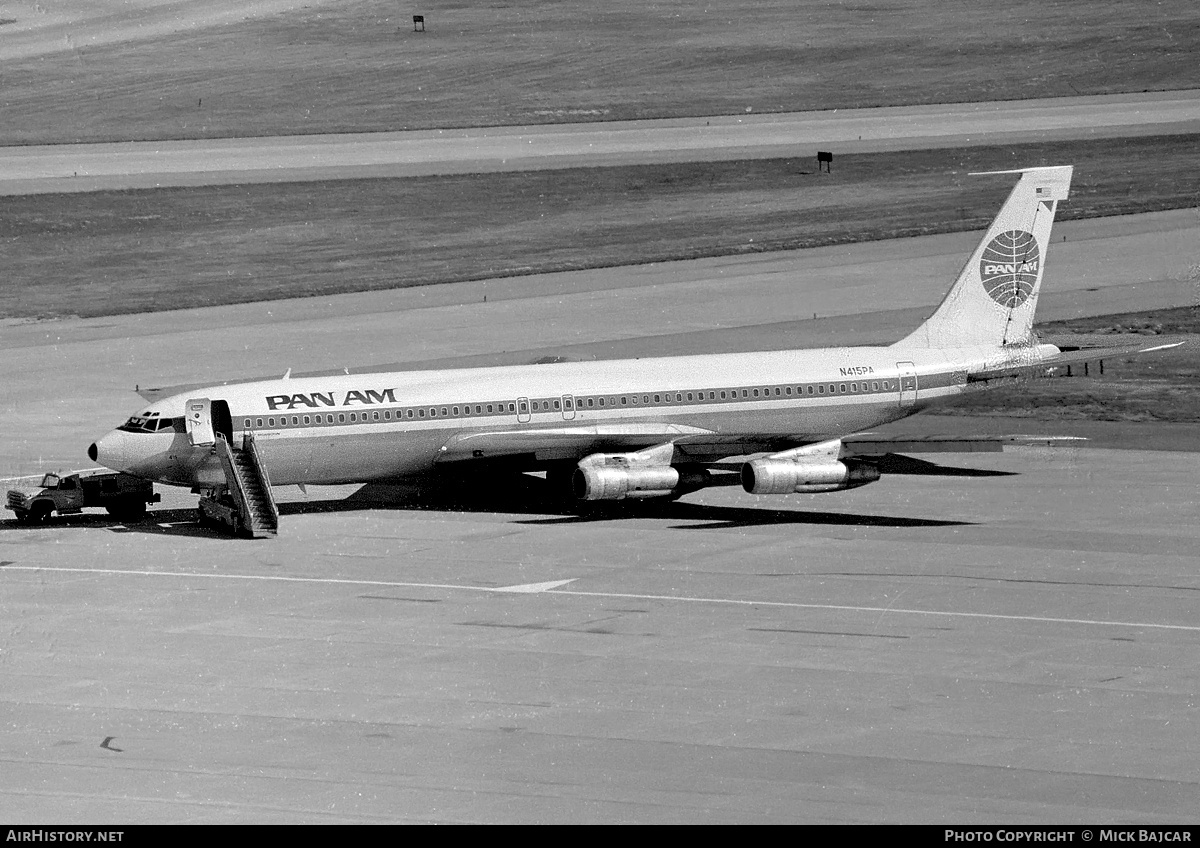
x=137, y=251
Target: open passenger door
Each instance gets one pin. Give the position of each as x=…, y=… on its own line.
x=199, y=421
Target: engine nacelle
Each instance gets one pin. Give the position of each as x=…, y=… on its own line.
x=600, y=483
x=784, y=477
x=615, y=483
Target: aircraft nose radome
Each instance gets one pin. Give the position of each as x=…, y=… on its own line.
x=110, y=451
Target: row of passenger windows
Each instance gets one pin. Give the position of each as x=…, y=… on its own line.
x=569, y=404
x=386, y=415
x=769, y=392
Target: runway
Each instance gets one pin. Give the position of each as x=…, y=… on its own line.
x=1017, y=648
x=91, y=167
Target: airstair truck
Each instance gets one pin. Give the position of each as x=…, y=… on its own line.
x=124, y=496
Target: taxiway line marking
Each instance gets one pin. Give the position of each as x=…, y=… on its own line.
x=507, y=590
x=888, y=610
x=535, y=588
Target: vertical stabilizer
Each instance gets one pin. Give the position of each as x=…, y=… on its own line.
x=993, y=301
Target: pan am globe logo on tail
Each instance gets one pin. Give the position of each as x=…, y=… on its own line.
x=1009, y=267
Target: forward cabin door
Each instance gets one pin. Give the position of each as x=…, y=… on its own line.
x=222, y=422
x=908, y=384
x=198, y=421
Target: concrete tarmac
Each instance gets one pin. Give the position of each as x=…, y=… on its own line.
x=90, y=167
x=1013, y=641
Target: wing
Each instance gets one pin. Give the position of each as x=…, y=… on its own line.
x=530, y=448
x=874, y=444
x=559, y=444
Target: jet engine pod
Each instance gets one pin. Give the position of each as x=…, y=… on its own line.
x=607, y=483
x=783, y=477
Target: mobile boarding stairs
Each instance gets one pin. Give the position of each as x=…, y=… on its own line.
x=244, y=503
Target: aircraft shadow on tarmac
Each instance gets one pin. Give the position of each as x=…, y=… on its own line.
x=729, y=517
x=524, y=494
x=159, y=522
x=527, y=495
x=183, y=523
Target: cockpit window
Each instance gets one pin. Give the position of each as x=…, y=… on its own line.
x=148, y=424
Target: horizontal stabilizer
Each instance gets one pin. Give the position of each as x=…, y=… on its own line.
x=1050, y=182
x=1049, y=365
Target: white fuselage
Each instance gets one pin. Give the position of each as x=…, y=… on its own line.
x=392, y=425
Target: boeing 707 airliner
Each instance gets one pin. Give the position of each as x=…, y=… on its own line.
x=640, y=428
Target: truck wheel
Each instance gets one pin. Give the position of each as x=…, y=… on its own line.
x=130, y=509
x=40, y=513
